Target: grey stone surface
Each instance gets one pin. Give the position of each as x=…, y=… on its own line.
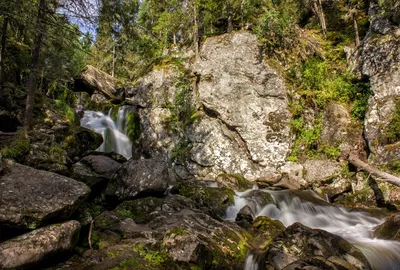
x=30, y=197
x=34, y=247
x=379, y=59
x=138, y=177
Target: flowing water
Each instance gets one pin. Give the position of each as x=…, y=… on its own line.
x=307, y=208
x=113, y=132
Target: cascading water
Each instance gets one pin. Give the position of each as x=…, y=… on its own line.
x=307, y=208
x=114, y=133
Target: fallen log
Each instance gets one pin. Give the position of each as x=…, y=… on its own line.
x=380, y=175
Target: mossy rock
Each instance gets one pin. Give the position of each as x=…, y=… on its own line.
x=211, y=200
x=140, y=210
x=233, y=181
x=265, y=230
x=390, y=229
x=81, y=140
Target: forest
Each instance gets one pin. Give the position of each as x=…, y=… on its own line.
x=199, y=134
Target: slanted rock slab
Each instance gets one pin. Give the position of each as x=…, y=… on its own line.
x=139, y=177
x=35, y=246
x=30, y=198
x=299, y=243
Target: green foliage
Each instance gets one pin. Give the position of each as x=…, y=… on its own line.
x=155, y=257
x=277, y=29
x=182, y=113
x=66, y=111
x=18, y=149
x=393, y=130
x=306, y=138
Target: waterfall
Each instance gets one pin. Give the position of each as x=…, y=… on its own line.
x=307, y=208
x=113, y=132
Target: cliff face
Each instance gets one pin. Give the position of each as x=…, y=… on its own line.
x=244, y=127
x=378, y=58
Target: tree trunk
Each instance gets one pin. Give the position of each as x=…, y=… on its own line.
x=317, y=8
x=356, y=33
x=113, y=61
x=31, y=87
x=380, y=175
x=228, y=11
x=196, y=32
x=3, y=46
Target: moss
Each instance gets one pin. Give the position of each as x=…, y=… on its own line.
x=235, y=181
x=134, y=130
x=18, y=149
x=138, y=210
x=178, y=231
x=393, y=130
x=213, y=201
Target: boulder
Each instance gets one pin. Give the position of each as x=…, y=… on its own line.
x=211, y=200
x=319, y=171
x=80, y=140
x=94, y=170
x=241, y=120
x=248, y=99
x=30, y=198
x=36, y=246
x=94, y=81
x=300, y=244
x=187, y=236
x=390, y=229
x=138, y=178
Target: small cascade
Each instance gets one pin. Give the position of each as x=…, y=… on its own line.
x=307, y=208
x=113, y=132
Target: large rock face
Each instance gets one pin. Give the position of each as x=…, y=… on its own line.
x=244, y=124
x=34, y=247
x=247, y=127
x=299, y=246
x=379, y=59
x=30, y=197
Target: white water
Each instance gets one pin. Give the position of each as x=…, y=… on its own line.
x=114, y=133
x=307, y=208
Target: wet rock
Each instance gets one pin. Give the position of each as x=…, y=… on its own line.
x=390, y=229
x=94, y=170
x=233, y=181
x=80, y=140
x=30, y=197
x=245, y=214
x=117, y=157
x=299, y=244
x=138, y=178
x=187, y=235
x=212, y=200
x=195, y=237
x=38, y=245
x=266, y=229
x=258, y=197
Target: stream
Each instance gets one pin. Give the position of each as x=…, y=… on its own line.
x=309, y=209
